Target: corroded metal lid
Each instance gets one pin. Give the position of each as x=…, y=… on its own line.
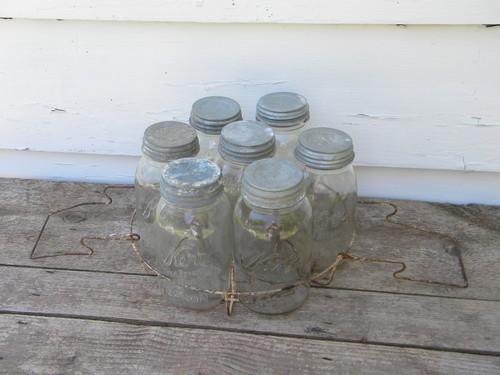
x=169, y=140
x=243, y=142
x=191, y=182
x=282, y=109
x=324, y=148
x=272, y=184
x=210, y=114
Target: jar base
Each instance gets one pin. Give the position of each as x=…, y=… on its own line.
x=182, y=297
x=281, y=302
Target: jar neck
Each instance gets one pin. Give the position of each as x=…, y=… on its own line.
x=211, y=136
x=273, y=211
x=287, y=129
x=202, y=206
x=152, y=162
x=346, y=169
x=234, y=164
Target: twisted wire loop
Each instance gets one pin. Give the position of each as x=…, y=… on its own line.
x=325, y=277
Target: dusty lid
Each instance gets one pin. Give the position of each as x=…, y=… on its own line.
x=191, y=182
x=324, y=148
x=243, y=142
x=272, y=184
x=169, y=140
x=282, y=109
x=210, y=114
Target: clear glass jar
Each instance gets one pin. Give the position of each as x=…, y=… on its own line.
x=208, y=116
x=193, y=236
x=288, y=114
x=162, y=142
x=326, y=156
x=241, y=143
x=272, y=222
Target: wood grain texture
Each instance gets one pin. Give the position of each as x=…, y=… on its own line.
x=369, y=317
x=262, y=11
x=426, y=255
x=49, y=346
x=398, y=91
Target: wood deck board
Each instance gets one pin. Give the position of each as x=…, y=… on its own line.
x=105, y=313
x=444, y=323
x=426, y=255
x=92, y=347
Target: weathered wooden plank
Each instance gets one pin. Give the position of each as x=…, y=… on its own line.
x=25, y=205
x=94, y=347
x=428, y=256
x=417, y=321
x=37, y=196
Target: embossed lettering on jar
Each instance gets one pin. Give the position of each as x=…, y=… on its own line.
x=272, y=222
x=326, y=156
x=241, y=143
x=162, y=142
x=193, y=236
x=288, y=114
x=209, y=115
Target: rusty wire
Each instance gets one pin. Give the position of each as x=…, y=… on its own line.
x=89, y=251
x=326, y=277
x=231, y=294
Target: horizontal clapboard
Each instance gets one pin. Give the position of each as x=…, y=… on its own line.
x=411, y=97
x=262, y=11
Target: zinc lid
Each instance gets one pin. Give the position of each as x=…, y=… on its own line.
x=169, y=140
x=324, y=148
x=282, y=109
x=243, y=142
x=272, y=184
x=210, y=114
x=191, y=182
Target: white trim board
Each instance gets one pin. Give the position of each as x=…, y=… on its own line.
x=398, y=183
x=262, y=11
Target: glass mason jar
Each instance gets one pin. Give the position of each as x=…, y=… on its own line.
x=288, y=114
x=272, y=223
x=208, y=116
x=241, y=143
x=326, y=156
x=193, y=236
x=162, y=142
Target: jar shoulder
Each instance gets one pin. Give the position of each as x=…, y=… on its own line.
x=148, y=172
x=343, y=181
x=220, y=208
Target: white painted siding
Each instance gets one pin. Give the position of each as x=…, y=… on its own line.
x=421, y=101
x=262, y=11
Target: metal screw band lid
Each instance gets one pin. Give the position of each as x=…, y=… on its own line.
x=191, y=182
x=210, y=114
x=324, y=148
x=282, y=109
x=170, y=140
x=243, y=142
x=272, y=184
